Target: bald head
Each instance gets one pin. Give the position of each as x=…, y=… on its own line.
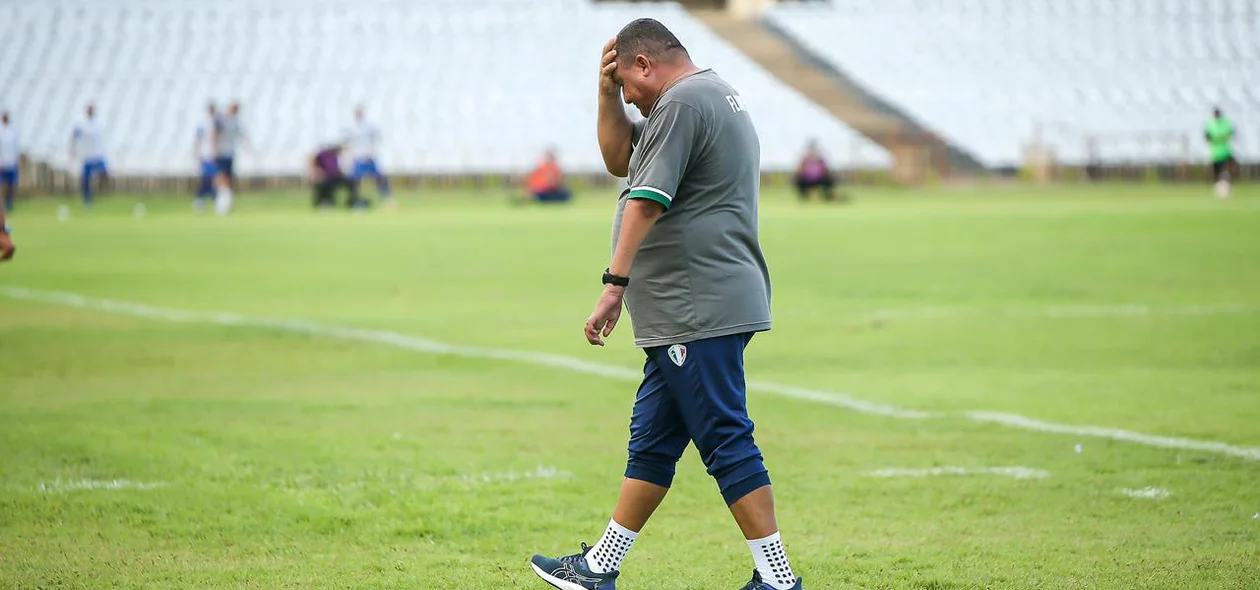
x=649, y=38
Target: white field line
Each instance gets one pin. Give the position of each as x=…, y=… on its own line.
x=74, y=485
x=1147, y=493
x=425, y=346
x=1150, y=440
x=838, y=399
x=1127, y=310
x=580, y=366
x=59, y=486
x=1014, y=472
x=539, y=472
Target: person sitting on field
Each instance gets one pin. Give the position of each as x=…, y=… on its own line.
x=814, y=174
x=327, y=177
x=546, y=183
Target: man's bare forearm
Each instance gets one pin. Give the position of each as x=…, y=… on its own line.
x=637, y=220
x=615, y=133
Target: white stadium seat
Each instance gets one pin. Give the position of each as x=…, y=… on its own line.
x=460, y=86
x=986, y=74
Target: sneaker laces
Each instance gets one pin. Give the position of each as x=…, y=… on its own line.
x=577, y=556
x=754, y=583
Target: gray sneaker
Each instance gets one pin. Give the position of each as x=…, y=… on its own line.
x=571, y=572
x=757, y=584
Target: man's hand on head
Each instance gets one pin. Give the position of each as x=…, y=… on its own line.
x=608, y=85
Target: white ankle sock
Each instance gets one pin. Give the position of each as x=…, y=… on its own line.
x=223, y=201
x=607, y=554
x=1222, y=188
x=772, y=562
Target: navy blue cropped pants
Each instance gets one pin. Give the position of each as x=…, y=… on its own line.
x=695, y=392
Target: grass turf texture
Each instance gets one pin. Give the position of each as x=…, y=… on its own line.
x=288, y=460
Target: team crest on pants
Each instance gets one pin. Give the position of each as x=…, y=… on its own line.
x=678, y=354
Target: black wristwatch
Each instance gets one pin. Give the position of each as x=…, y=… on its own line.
x=614, y=280
x=5, y=229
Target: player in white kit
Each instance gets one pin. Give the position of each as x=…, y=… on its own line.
x=88, y=142
x=228, y=135
x=10, y=153
x=203, y=149
x=362, y=140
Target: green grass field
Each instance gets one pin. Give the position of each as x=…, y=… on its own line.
x=149, y=440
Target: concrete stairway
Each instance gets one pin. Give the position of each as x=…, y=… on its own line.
x=916, y=152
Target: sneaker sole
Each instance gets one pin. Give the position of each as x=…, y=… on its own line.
x=554, y=581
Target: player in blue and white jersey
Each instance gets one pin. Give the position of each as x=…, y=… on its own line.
x=229, y=134
x=204, y=150
x=87, y=142
x=10, y=154
x=362, y=140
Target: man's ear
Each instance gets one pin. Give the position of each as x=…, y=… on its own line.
x=641, y=62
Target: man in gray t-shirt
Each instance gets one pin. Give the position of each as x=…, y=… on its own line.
x=688, y=266
x=699, y=272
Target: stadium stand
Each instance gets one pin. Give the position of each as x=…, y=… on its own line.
x=457, y=86
x=1102, y=81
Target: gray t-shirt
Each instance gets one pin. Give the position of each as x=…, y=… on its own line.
x=700, y=272
x=230, y=132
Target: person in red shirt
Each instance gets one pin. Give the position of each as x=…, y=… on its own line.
x=545, y=183
x=814, y=174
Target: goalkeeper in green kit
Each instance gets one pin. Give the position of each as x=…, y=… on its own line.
x=1219, y=133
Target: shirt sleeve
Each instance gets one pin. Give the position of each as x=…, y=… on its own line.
x=636, y=131
x=665, y=144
